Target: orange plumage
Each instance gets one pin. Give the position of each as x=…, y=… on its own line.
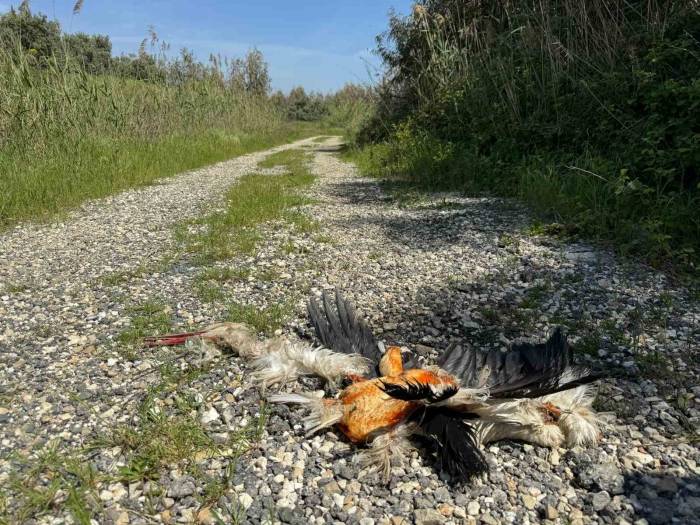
x=368, y=409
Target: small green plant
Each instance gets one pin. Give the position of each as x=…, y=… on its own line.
x=490, y=315
x=324, y=239
x=268, y=275
x=254, y=201
x=589, y=344
x=148, y=318
x=15, y=287
x=535, y=296
x=653, y=365
x=264, y=320
x=55, y=478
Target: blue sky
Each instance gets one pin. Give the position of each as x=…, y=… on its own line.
x=319, y=44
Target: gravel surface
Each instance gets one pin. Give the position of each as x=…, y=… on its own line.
x=427, y=271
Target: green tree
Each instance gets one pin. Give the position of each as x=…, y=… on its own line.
x=36, y=34
x=94, y=52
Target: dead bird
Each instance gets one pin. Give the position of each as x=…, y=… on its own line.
x=532, y=392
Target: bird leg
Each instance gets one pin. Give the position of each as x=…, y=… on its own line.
x=171, y=339
x=386, y=446
x=550, y=412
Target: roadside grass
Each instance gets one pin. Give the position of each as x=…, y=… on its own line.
x=147, y=318
x=263, y=320
x=255, y=200
x=38, y=189
x=165, y=433
x=54, y=479
x=69, y=136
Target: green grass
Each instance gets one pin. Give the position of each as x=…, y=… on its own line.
x=53, y=479
x=264, y=320
x=255, y=200
x=161, y=436
x=41, y=188
x=69, y=136
x=15, y=288
x=596, y=134
x=148, y=318
x=175, y=436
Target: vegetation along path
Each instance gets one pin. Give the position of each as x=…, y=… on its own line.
x=95, y=426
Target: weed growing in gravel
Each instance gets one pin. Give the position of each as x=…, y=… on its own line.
x=324, y=239
x=222, y=275
x=255, y=200
x=265, y=320
x=268, y=275
x=15, y=288
x=209, y=291
x=169, y=434
x=589, y=344
x=535, y=296
x=208, y=283
x=55, y=479
x=148, y=318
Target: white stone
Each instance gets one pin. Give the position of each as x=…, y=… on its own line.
x=209, y=416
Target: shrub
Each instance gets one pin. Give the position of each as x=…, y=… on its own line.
x=588, y=109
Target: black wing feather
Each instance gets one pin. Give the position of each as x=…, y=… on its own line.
x=525, y=370
x=455, y=441
x=339, y=328
x=414, y=391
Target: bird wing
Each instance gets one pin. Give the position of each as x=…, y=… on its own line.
x=341, y=330
x=525, y=370
x=414, y=390
x=454, y=438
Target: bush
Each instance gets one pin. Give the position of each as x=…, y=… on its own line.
x=588, y=109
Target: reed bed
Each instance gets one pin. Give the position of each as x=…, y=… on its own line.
x=67, y=135
x=586, y=109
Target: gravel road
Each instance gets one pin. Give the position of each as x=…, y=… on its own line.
x=426, y=271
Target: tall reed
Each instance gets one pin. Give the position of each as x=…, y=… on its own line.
x=531, y=97
x=66, y=135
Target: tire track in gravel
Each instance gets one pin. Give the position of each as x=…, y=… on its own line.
x=441, y=270
x=54, y=309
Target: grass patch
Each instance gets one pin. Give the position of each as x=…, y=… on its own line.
x=15, y=288
x=288, y=157
x=255, y=200
x=535, y=296
x=148, y=318
x=265, y=320
x=174, y=436
x=55, y=479
x=325, y=239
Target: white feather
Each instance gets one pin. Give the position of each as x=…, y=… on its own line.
x=579, y=422
x=387, y=447
x=293, y=359
x=324, y=412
